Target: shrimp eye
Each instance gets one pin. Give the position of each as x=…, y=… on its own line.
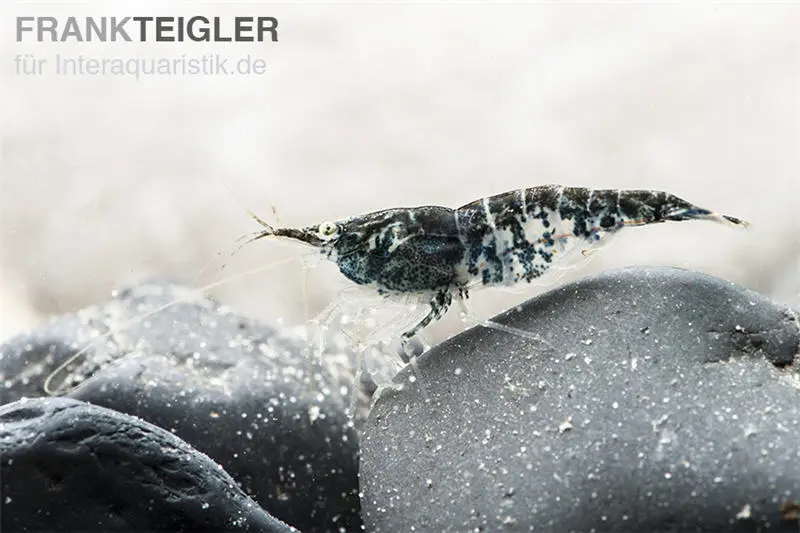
x=328, y=229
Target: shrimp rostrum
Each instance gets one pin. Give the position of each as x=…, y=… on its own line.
x=438, y=253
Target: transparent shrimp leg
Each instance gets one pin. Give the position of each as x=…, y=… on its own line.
x=332, y=318
x=409, y=313
x=320, y=326
x=439, y=305
x=360, y=311
x=410, y=310
x=368, y=305
x=349, y=304
x=340, y=310
x=316, y=347
x=468, y=315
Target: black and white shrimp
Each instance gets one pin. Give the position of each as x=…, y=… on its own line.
x=434, y=255
x=438, y=253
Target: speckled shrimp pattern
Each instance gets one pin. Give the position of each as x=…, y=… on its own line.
x=517, y=236
x=440, y=253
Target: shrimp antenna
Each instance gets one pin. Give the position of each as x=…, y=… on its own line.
x=253, y=237
x=48, y=384
x=269, y=230
x=256, y=235
x=261, y=220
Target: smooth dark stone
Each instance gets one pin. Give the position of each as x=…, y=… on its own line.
x=71, y=466
x=237, y=390
x=656, y=399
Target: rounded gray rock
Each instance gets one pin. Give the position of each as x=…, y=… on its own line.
x=71, y=466
x=240, y=391
x=647, y=399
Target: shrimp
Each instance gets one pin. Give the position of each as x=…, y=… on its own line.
x=438, y=253
x=434, y=255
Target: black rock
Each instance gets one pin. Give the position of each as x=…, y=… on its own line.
x=71, y=466
x=235, y=389
x=654, y=399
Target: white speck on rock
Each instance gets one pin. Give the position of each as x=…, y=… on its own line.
x=745, y=513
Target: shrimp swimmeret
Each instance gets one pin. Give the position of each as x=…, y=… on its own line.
x=433, y=254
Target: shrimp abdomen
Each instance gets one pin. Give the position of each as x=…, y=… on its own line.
x=518, y=235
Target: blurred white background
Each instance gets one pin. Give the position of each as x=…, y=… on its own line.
x=107, y=180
